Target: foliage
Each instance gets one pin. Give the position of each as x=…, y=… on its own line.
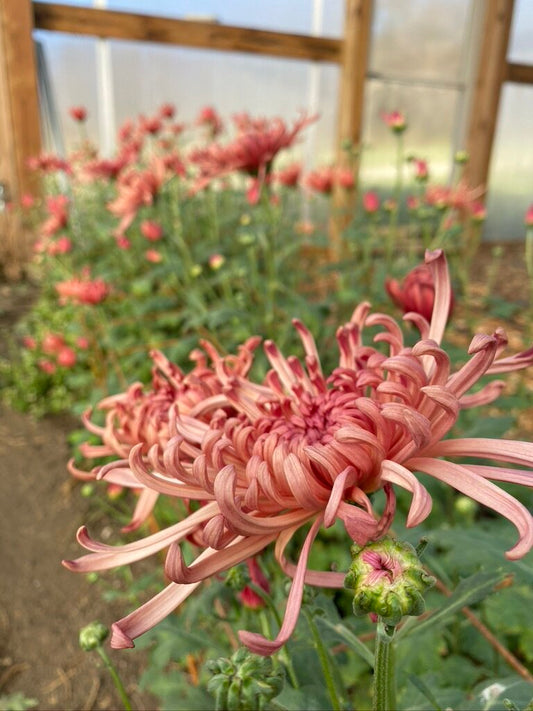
x=178, y=238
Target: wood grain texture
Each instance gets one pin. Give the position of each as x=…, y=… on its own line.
x=491, y=73
x=187, y=33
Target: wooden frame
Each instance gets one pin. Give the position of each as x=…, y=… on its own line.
x=108, y=24
x=19, y=126
x=493, y=70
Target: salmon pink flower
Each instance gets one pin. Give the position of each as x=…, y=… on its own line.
x=304, y=449
x=66, y=357
x=140, y=415
x=289, y=176
x=47, y=366
x=528, y=219
x=52, y=342
x=82, y=290
x=252, y=152
x=152, y=255
x=416, y=293
x=29, y=342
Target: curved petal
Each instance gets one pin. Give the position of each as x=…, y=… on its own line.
x=421, y=504
x=345, y=478
x=236, y=552
x=148, y=615
x=258, y=644
x=318, y=578
x=488, y=494
x=443, y=293
x=105, y=556
x=503, y=450
x=144, y=507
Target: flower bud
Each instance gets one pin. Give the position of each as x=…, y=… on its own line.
x=244, y=681
x=388, y=580
x=92, y=636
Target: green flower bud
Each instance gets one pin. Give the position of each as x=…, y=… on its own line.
x=236, y=578
x=92, y=636
x=461, y=158
x=195, y=271
x=388, y=580
x=245, y=681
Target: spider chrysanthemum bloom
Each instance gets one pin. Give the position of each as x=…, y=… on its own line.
x=305, y=449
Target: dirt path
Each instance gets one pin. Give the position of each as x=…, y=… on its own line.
x=42, y=605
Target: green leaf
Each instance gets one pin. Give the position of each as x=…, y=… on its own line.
x=468, y=592
x=351, y=640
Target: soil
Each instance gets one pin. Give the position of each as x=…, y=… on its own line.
x=42, y=605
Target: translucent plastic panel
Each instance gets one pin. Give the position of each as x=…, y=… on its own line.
x=511, y=175
x=431, y=118
x=144, y=76
x=298, y=16
x=420, y=38
x=70, y=65
x=520, y=45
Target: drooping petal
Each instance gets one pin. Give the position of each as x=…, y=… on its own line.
x=488, y=494
x=148, y=615
x=105, y=556
x=443, y=293
x=236, y=552
x=421, y=504
x=258, y=644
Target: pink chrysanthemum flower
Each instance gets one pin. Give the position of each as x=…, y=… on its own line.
x=141, y=415
x=306, y=449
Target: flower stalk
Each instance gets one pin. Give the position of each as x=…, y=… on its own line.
x=384, y=696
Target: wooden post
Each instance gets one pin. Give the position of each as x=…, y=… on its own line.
x=19, y=124
x=354, y=64
x=491, y=73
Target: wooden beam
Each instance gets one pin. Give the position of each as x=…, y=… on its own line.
x=19, y=105
x=20, y=135
x=491, y=73
x=354, y=68
x=519, y=73
x=204, y=35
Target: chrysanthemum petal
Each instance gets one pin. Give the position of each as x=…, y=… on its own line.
x=258, y=644
x=488, y=494
x=421, y=504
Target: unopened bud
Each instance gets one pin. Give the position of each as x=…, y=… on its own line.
x=388, y=580
x=244, y=681
x=92, y=636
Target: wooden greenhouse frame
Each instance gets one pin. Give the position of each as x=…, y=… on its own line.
x=20, y=131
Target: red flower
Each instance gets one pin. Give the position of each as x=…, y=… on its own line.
x=66, y=357
x=370, y=202
x=416, y=293
x=82, y=290
x=249, y=597
x=151, y=230
x=78, y=113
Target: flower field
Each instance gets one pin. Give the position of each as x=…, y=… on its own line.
x=306, y=423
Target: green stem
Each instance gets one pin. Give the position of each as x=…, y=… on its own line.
x=384, y=670
x=325, y=663
x=116, y=679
